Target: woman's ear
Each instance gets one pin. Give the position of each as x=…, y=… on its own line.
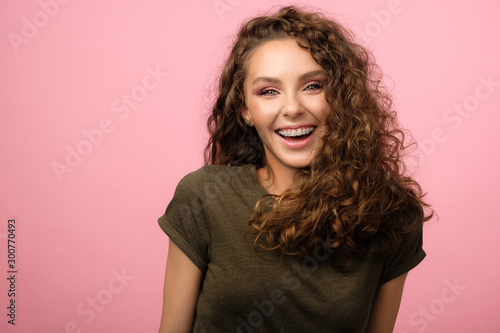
x=247, y=115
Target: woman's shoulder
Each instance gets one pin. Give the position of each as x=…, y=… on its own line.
x=216, y=185
x=218, y=175
x=213, y=172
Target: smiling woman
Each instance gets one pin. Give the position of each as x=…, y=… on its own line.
x=303, y=219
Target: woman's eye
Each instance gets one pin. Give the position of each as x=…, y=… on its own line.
x=314, y=86
x=268, y=92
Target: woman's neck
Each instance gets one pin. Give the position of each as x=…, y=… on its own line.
x=276, y=181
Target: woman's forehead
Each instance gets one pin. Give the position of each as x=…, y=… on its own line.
x=278, y=58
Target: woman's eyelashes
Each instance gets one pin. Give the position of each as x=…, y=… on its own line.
x=271, y=91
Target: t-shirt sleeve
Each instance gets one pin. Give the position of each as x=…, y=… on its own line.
x=185, y=221
x=409, y=255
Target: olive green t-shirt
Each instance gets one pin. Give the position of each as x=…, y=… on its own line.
x=244, y=292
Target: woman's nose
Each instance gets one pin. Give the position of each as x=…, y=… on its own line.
x=291, y=106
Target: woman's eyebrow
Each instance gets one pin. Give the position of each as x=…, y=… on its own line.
x=311, y=74
x=276, y=80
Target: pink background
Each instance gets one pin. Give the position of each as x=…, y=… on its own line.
x=75, y=232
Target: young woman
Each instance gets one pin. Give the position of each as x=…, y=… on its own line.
x=303, y=219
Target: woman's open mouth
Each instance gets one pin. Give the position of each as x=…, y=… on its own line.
x=297, y=137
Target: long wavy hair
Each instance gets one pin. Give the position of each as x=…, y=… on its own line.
x=355, y=193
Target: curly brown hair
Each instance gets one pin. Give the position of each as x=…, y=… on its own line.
x=355, y=192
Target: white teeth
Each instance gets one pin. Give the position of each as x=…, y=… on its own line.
x=298, y=132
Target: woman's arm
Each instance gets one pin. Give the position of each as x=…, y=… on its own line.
x=386, y=307
x=180, y=293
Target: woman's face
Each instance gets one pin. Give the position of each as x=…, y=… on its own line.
x=285, y=101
